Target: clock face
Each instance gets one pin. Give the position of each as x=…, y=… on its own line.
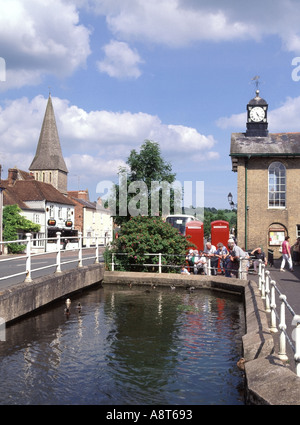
x=257, y=114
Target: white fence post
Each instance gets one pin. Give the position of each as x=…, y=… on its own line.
x=79, y=249
x=259, y=274
x=263, y=282
x=273, y=327
x=159, y=264
x=28, y=258
x=97, y=253
x=112, y=262
x=282, y=326
x=296, y=337
x=268, y=308
x=58, y=253
x=208, y=267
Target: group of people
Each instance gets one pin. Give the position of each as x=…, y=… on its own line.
x=227, y=258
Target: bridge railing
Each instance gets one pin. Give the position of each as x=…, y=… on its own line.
x=29, y=255
x=208, y=268
x=278, y=319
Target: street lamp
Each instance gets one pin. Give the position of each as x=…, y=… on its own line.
x=230, y=200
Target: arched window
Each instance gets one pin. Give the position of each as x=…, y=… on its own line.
x=277, y=187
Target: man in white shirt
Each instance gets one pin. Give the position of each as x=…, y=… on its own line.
x=210, y=253
x=201, y=263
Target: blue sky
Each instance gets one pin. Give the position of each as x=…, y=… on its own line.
x=177, y=72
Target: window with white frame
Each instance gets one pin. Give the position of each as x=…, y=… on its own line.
x=51, y=211
x=277, y=185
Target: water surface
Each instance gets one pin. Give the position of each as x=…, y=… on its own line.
x=127, y=346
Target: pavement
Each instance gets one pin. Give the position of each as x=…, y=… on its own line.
x=288, y=284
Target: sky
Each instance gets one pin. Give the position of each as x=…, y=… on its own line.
x=177, y=72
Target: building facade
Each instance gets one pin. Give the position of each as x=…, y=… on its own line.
x=268, y=182
x=91, y=218
x=42, y=204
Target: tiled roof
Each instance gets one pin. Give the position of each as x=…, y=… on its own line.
x=48, y=154
x=274, y=145
x=32, y=190
x=84, y=203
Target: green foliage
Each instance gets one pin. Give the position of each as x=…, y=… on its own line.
x=142, y=235
x=14, y=222
x=212, y=214
x=147, y=166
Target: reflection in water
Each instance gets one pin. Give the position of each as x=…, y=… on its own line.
x=127, y=346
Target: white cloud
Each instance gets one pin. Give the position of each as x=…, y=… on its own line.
x=177, y=23
x=39, y=38
x=120, y=61
x=237, y=121
x=95, y=142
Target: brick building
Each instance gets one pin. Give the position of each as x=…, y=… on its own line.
x=91, y=218
x=268, y=182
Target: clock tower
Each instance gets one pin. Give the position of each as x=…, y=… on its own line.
x=257, y=123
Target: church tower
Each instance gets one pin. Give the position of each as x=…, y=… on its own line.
x=48, y=165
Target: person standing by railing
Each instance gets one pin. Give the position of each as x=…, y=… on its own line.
x=222, y=254
x=238, y=258
x=286, y=255
x=259, y=255
x=210, y=252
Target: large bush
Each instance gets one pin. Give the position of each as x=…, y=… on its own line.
x=14, y=222
x=148, y=235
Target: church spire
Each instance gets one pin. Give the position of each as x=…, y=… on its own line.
x=48, y=165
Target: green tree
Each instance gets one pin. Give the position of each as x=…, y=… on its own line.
x=14, y=222
x=147, y=166
x=149, y=235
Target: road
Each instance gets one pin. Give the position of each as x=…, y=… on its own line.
x=14, y=264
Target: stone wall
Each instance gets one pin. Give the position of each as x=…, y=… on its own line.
x=25, y=298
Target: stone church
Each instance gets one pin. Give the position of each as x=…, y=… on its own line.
x=268, y=182
x=48, y=165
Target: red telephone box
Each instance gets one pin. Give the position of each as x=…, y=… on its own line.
x=219, y=232
x=195, y=230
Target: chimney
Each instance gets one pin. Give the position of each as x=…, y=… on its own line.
x=12, y=176
x=83, y=194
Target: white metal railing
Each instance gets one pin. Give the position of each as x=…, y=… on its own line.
x=268, y=289
x=58, y=251
x=208, y=268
